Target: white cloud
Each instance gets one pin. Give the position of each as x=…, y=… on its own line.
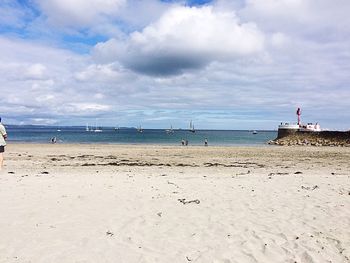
x=79, y=13
x=27, y=52
x=38, y=79
x=320, y=20
x=99, y=96
x=185, y=38
x=99, y=72
x=279, y=39
x=35, y=71
x=147, y=11
x=45, y=98
x=43, y=121
x=84, y=108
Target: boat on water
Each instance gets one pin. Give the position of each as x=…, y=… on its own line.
x=254, y=132
x=139, y=129
x=97, y=129
x=170, y=131
x=87, y=127
x=191, y=129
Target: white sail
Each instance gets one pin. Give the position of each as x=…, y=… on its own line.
x=96, y=128
x=191, y=127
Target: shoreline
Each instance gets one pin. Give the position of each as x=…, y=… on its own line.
x=138, y=144
x=266, y=144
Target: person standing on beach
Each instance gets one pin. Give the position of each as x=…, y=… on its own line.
x=3, y=136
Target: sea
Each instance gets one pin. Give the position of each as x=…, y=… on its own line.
x=110, y=135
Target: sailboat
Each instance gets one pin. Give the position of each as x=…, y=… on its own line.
x=170, y=131
x=87, y=127
x=139, y=129
x=96, y=128
x=192, y=127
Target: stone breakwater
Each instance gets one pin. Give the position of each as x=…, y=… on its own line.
x=323, y=138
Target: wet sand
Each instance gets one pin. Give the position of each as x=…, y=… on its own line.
x=115, y=203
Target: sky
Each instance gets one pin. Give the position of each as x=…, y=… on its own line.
x=224, y=64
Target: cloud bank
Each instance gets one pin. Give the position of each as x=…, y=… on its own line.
x=185, y=38
x=224, y=64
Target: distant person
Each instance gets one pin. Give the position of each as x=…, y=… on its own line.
x=182, y=142
x=205, y=142
x=3, y=137
x=186, y=142
x=53, y=140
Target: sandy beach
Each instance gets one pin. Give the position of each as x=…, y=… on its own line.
x=126, y=203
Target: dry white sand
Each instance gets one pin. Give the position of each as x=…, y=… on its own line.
x=105, y=203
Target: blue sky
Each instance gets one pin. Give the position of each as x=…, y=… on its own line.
x=224, y=64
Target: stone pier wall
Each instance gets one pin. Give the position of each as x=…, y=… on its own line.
x=285, y=132
x=323, y=138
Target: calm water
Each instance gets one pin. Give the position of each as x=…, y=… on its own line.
x=43, y=134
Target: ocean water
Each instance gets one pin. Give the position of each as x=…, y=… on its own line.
x=43, y=134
